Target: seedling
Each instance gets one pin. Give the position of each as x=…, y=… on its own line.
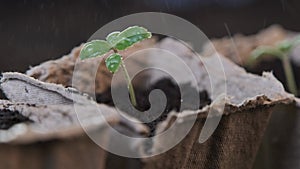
x=116, y=41
x=281, y=51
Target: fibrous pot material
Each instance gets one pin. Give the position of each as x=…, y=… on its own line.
x=248, y=101
x=281, y=141
x=53, y=136
x=52, y=107
x=248, y=106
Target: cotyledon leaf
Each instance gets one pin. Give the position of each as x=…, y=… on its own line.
x=127, y=42
x=95, y=48
x=266, y=50
x=113, y=62
x=262, y=51
x=287, y=45
x=112, y=37
x=128, y=37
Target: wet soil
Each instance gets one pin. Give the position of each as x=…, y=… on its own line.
x=10, y=118
x=173, y=95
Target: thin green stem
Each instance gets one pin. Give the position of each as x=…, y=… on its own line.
x=289, y=74
x=130, y=87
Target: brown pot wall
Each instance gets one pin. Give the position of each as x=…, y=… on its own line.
x=233, y=145
x=76, y=153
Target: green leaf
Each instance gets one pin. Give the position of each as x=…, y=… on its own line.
x=266, y=50
x=285, y=46
x=94, y=48
x=112, y=37
x=128, y=37
x=263, y=51
x=113, y=62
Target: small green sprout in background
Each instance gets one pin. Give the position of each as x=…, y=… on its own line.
x=116, y=41
x=281, y=51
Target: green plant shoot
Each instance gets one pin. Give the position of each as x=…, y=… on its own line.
x=281, y=51
x=116, y=41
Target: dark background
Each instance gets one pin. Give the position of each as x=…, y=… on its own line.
x=32, y=31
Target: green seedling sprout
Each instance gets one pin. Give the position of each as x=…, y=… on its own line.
x=116, y=41
x=281, y=51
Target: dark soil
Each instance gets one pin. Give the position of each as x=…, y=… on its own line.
x=10, y=118
x=2, y=96
x=172, y=93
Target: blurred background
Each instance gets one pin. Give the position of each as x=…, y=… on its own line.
x=33, y=31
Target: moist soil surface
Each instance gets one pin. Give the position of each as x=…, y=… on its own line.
x=173, y=95
x=10, y=118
